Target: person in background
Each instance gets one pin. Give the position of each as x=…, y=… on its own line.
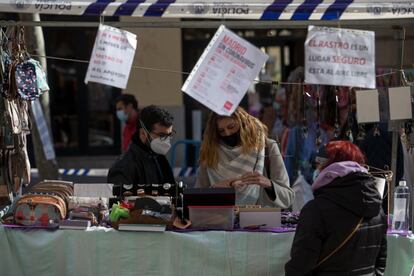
x=343, y=230
x=235, y=152
x=144, y=162
x=127, y=113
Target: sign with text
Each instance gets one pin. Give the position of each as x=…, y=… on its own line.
x=340, y=57
x=112, y=57
x=224, y=72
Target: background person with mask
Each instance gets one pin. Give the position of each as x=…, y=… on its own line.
x=127, y=113
x=234, y=153
x=145, y=161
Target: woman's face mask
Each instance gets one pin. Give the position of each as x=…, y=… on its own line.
x=315, y=174
x=231, y=140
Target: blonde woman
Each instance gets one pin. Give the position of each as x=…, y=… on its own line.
x=236, y=152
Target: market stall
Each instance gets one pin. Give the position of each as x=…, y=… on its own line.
x=99, y=250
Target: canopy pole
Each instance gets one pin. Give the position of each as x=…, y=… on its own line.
x=214, y=24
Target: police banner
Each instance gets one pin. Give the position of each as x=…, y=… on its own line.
x=213, y=9
x=340, y=57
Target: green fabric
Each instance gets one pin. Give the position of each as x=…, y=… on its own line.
x=400, y=256
x=76, y=252
x=212, y=253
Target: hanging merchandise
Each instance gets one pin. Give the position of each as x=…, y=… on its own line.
x=318, y=140
x=305, y=129
x=337, y=129
x=23, y=80
x=361, y=132
x=350, y=120
x=407, y=135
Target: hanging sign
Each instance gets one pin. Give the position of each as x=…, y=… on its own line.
x=112, y=57
x=342, y=57
x=224, y=72
x=367, y=106
x=400, y=103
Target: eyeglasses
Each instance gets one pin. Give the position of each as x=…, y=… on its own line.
x=164, y=136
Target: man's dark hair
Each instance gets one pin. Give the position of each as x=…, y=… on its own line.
x=152, y=114
x=127, y=99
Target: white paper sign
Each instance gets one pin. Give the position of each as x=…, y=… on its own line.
x=112, y=57
x=367, y=106
x=224, y=72
x=400, y=103
x=340, y=57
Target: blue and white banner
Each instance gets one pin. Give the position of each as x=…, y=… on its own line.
x=213, y=9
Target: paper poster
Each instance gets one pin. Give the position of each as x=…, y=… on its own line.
x=112, y=57
x=342, y=57
x=400, y=103
x=224, y=72
x=367, y=106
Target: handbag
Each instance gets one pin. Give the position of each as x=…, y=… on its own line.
x=39, y=209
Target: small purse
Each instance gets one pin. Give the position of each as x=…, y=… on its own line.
x=41, y=79
x=26, y=81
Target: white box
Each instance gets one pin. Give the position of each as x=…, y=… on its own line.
x=264, y=217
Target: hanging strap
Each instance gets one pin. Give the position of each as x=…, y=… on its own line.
x=342, y=243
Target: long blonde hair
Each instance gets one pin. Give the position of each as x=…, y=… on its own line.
x=252, y=136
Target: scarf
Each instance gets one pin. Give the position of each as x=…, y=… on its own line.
x=232, y=163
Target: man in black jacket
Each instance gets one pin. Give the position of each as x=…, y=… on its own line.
x=145, y=161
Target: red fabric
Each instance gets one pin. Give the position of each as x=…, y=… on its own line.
x=129, y=130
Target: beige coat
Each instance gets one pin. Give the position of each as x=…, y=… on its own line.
x=278, y=176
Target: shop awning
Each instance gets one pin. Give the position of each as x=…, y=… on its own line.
x=298, y=10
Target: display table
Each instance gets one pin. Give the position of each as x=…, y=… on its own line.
x=76, y=252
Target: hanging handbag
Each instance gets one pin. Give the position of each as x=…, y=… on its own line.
x=40, y=77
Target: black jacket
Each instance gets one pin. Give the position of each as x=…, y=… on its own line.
x=140, y=165
x=328, y=219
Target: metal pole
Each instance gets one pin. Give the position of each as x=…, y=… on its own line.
x=214, y=24
x=400, y=37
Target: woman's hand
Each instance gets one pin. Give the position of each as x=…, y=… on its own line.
x=252, y=178
x=225, y=183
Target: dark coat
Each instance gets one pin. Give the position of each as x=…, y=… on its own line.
x=328, y=219
x=140, y=165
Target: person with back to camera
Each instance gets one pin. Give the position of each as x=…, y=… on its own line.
x=233, y=153
x=343, y=230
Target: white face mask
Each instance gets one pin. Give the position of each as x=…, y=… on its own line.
x=160, y=146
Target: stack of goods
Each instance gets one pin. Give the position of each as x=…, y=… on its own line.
x=142, y=214
x=91, y=209
x=45, y=204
